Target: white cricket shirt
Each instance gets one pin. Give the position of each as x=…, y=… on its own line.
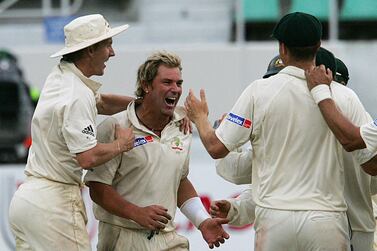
x=297, y=162
x=151, y=172
x=63, y=125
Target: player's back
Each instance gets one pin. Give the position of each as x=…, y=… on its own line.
x=298, y=160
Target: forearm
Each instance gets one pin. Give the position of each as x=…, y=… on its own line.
x=209, y=139
x=99, y=154
x=190, y=204
x=344, y=130
x=185, y=191
x=110, y=104
x=106, y=196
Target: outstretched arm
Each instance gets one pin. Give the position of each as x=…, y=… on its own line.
x=192, y=207
x=197, y=111
x=239, y=211
x=109, y=104
x=318, y=80
x=103, y=152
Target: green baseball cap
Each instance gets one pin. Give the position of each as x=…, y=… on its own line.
x=298, y=29
x=342, y=74
x=326, y=58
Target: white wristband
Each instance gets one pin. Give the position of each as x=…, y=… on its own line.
x=194, y=210
x=321, y=92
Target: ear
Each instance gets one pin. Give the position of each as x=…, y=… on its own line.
x=90, y=50
x=145, y=87
x=283, y=49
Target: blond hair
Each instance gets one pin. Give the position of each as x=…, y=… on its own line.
x=149, y=69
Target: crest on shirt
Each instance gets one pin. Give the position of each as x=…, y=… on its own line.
x=239, y=120
x=88, y=130
x=176, y=144
x=375, y=122
x=139, y=141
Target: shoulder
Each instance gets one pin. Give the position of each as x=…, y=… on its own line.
x=340, y=91
x=179, y=113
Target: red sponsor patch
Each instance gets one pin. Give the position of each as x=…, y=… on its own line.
x=247, y=123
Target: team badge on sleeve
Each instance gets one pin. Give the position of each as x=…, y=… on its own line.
x=239, y=120
x=139, y=141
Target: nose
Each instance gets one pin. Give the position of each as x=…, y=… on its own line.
x=176, y=87
x=112, y=52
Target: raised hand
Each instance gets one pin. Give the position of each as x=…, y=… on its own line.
x=196, y=108
x=213, y=232
x=152, y=217
x=125, y=138
x=219, y=209
x=318, y=75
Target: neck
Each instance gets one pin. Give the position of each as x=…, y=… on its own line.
x=148, y=118
x=83, y=66
x=305, y=65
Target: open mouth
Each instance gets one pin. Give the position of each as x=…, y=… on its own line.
x=171, y=101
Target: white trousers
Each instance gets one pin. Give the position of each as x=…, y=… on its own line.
x=46, y=215
x=115, y=238
x=300, y=230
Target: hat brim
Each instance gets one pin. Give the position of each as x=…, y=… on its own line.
x=77, y=47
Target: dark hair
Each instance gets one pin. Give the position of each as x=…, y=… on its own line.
x=303, y=53
x=76, y=55
x=73, y=56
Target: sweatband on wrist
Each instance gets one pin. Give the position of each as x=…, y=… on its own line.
x=194, y=210
x=321, y=92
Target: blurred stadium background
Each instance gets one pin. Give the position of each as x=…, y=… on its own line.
x=224, y=44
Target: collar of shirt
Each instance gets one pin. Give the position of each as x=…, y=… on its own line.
x=294, y=71
x=93, y=85
x=179, y=114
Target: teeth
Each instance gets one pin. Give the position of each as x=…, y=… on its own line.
x=171, y=100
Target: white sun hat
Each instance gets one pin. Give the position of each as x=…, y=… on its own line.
x=85, y=31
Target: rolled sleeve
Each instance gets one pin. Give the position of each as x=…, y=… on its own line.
x=369, y=134
x=79, y=130
x=237, y=126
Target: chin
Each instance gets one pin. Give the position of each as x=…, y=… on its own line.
x=168, y=113
x=100, y=73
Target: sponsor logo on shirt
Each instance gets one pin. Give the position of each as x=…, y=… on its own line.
x=142, y=140
x=176, y=144
x=88, y=130
x=375, y=122
x=239, y=120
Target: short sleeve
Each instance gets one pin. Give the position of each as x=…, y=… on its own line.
x=356, y=112
x=106, y=172
x=368, y=132
x=236, y=128
x=79, y=130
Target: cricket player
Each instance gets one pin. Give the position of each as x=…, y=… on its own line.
x=47, y=211
x=137, y=193
x=298, y=180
